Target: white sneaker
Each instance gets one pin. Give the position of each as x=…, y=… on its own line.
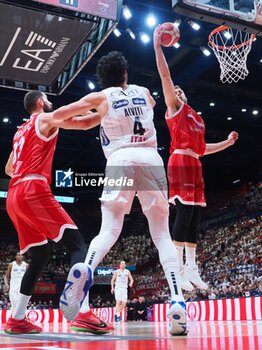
x=194, y=277
x=78, y=283
x=185, y=283
x=177, y=318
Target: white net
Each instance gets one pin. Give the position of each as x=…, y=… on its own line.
x=231, y=48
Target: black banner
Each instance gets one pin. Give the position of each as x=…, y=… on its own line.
x=35, y=47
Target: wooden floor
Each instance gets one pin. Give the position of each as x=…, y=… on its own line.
x=203, y=335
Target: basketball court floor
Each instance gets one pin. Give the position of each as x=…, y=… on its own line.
x=203, y=335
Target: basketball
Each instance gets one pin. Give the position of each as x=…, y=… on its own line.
x=170, y=35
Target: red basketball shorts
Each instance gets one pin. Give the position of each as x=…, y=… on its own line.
x=36, y=214
x=185, y=180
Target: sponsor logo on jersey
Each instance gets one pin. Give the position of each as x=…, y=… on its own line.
x=129, y=93
x=139, y=101
x=64, y=178
x=199, y=124
x=120, y=103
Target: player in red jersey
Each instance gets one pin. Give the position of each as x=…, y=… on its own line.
x=35, y=213
x=186, y=184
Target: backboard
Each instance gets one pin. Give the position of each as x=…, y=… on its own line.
x=245, y=15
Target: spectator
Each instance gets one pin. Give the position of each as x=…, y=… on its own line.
x=140, y=310
x=39, y=306
x=130, y=309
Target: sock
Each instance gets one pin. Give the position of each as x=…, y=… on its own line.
x=85, y=305
x=190, y=256
x=173, y=279
x=168, y=254
x=180, y=252
x=21, y=305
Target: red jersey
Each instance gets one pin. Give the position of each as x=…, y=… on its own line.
x=33, y=153
x=187, y=130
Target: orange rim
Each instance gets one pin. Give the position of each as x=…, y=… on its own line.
x=220, y=47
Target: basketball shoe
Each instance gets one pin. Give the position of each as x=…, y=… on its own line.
x=177, y=318
x=185, y=283
x=193, y=276
x=79, y=281
x=90, y=323
x=23, y=326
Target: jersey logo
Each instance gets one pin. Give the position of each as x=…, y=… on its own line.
x=127, y=92
x=139, y=101
x=133, y=92
x=120, y=104
x=199, y=124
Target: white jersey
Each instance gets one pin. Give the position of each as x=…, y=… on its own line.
x=17, y=274
x=129, y=121
x=121, y=278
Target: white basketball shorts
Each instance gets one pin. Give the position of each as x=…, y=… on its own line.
x=143, y=168
x=120, y=294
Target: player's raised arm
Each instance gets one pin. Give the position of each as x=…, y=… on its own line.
x=171, y=99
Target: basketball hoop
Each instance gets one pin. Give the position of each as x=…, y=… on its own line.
x=231, y=48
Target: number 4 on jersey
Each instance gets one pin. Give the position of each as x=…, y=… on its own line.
x=138, y=127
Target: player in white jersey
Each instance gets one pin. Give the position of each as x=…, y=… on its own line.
x=119, y=284
x=129, y=142
x=13, y=277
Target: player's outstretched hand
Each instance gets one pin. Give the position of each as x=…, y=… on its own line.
x=232, y=137
x=112, y=290
x=157, y=36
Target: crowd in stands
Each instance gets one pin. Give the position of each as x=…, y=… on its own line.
x=248, y=203
x=137, y=250
x=229, y=257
